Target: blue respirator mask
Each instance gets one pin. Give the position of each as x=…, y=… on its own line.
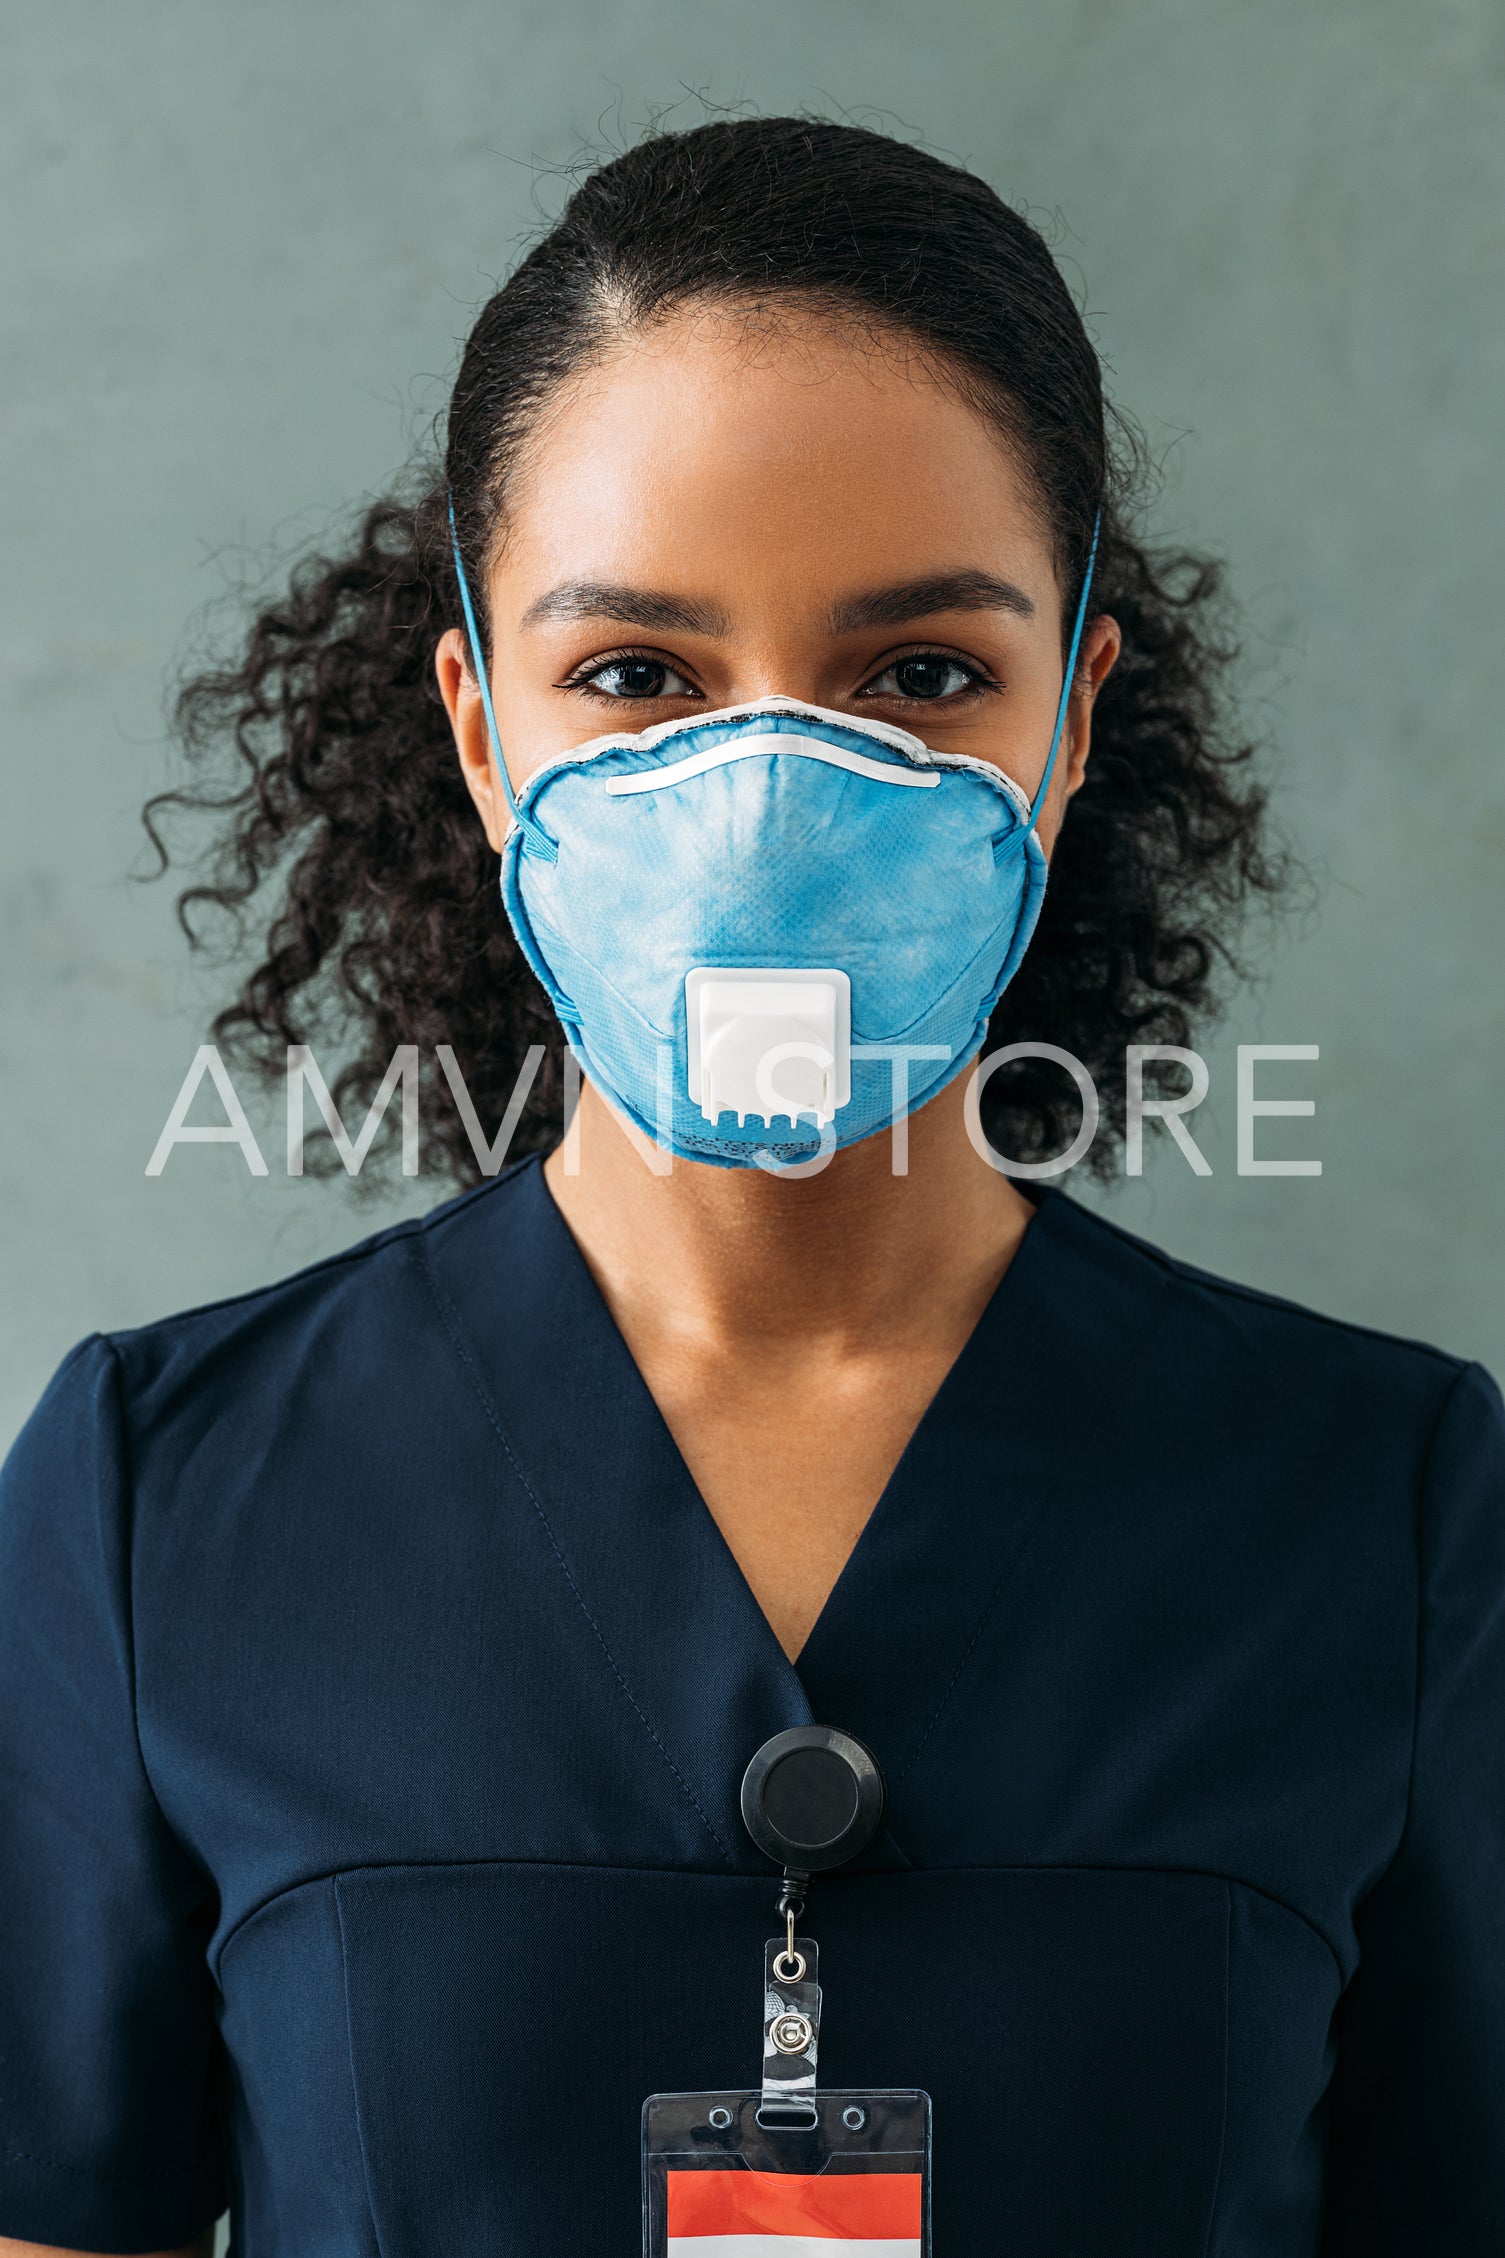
x=773, y=929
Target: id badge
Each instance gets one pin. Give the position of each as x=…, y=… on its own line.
x=787, y=2170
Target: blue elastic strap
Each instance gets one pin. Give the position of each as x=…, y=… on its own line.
x=1061, y=710
x=540, y=839
x=537, y=837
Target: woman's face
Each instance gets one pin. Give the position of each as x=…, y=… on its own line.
x=723, y=509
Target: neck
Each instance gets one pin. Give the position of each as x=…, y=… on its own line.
x=745, y=1261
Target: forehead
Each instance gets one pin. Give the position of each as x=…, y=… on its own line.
x=718, y=445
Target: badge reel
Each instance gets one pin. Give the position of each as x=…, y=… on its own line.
x=788, y=2167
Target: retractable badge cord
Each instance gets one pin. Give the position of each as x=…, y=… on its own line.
x=788, y=2168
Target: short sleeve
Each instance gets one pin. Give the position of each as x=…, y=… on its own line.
x=1418, y=2100
x=109, y=2134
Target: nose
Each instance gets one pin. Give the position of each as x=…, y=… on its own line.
x=777, y=657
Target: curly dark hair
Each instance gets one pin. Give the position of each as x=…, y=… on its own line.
x=346, y=796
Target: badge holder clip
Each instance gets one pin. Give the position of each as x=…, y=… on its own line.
x=791, y=2030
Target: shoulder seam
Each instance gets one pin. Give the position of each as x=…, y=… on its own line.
x=125, y=1538
x=1235, y=1290
x=365, y=1250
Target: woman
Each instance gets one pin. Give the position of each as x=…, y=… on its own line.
x=383, y=1651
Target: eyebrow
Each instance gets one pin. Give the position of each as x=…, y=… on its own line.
x=629, y=607
x=654, y=609
x=968, y=591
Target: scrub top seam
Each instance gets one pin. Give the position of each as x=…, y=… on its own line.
x=125, y=2180
x=124, y=1483
x=126, y=1540
x=1192, y=1873
x=1217, y=2176
x=453, y=1326
x=1234, y=1289
x=888, y=1835
x=391, y=1236
x=332, y=1882
x=1025, y=1538
x=1036, y=1521
x=333, y=1875
x=1420, y=1524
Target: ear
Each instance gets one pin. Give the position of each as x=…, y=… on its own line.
x=467, y=719
x=1101, y=645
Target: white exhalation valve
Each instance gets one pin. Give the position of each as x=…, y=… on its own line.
x=769, y=1041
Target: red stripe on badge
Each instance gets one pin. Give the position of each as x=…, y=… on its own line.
x=847, y=2206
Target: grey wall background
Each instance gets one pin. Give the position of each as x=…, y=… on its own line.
x=240, y=249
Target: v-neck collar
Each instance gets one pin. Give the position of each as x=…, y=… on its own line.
x=674, y=1616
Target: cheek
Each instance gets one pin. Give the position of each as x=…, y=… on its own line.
x=532, y=719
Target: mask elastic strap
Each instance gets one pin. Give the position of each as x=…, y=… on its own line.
x=1071, y=656
x=537, y=836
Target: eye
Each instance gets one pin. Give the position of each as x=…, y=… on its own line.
x=630, y=676
x=927, y=675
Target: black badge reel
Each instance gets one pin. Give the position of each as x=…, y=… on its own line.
x=788, y=2166
x=812, y=1798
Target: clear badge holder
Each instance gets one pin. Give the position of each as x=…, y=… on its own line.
x=787, y=2169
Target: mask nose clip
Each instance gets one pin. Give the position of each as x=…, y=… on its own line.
x=768, y=1040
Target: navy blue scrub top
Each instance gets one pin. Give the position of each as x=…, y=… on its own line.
x=375, y=1688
